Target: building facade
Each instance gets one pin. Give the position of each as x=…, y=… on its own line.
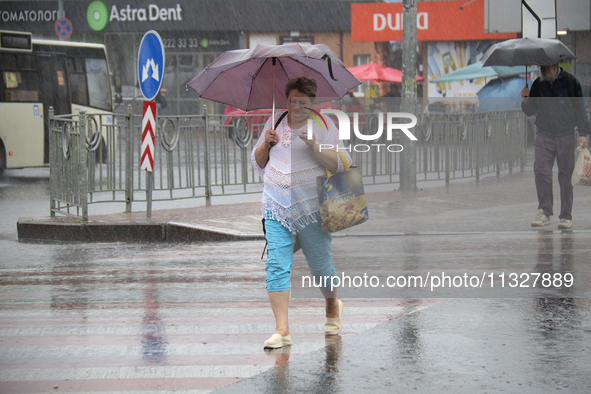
x=194, y=33
x=451, y=34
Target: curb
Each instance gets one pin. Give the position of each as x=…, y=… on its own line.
x=30, y=230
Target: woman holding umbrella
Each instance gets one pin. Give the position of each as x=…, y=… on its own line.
x=289, y=162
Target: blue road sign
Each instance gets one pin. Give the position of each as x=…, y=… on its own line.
x=150, y=64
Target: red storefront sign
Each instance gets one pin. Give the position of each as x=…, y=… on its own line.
x=436, y=21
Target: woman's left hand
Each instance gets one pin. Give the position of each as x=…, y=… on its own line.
x=328, y=158
x=310, y=143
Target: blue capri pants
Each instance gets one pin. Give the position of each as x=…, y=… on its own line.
x=315, y=245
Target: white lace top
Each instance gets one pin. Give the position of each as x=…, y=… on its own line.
x=289, y=178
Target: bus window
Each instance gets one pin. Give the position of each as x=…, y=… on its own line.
x=78, y=81
x=98, y=83
x=26, y=61
x=9, y=61
x=18, y=85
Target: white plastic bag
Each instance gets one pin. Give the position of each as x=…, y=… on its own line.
x=582, y=172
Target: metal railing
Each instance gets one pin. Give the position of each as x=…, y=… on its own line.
x=449, y=146
x=205, y=155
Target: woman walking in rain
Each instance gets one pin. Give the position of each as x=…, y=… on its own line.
x=289, y=163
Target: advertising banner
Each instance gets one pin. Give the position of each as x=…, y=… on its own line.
x=436, y=21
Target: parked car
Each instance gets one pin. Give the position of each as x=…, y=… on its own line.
x=239, y=122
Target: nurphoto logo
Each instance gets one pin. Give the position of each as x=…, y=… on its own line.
x=392, y=123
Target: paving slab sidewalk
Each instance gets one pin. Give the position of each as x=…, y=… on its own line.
x=507, y=203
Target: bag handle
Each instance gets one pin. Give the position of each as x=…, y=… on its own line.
x=347, y=168
x=279, y=120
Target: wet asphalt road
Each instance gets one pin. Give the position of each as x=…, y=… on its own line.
x=192, y=317
x=455, y=346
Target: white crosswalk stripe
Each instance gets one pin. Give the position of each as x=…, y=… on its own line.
x=148, y=322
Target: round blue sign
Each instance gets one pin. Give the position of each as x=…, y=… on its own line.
x=150, y=64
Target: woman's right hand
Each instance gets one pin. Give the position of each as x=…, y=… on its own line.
x=261, y=154
x=271, y=137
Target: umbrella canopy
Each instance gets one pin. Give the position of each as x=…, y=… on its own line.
x=502, y=91
x=477, y=70
x=527, y=51
x=255, y=78
x=378, y=73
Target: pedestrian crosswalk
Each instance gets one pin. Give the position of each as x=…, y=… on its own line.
x=184, y=319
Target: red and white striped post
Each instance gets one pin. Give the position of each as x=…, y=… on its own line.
x=148, y=137
x=147, y=152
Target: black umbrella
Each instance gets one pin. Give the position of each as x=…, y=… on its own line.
x=527, y=51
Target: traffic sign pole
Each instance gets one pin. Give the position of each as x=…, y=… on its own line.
x=148, y=150
x=150, y=71
x=150, y=187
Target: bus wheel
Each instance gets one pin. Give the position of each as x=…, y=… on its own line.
x=2, y=160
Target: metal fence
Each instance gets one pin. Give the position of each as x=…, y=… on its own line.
x=205, y=155
x=449, y=146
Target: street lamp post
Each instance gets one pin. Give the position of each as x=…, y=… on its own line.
x=408, y=171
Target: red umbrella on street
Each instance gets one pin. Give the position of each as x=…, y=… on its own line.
x=378, y=73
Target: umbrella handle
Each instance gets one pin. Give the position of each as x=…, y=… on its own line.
x=526, y=76
x=273, y=110
x=274, y=60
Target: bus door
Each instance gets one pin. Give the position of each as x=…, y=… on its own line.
x=54, y=88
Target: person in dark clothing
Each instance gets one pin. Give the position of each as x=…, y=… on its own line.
x=161, y=99
x=556, y=99
x=391, y=98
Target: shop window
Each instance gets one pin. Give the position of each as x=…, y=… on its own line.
x=358, y=60
x=170, y=78
x=255, y=40
x=188, y=69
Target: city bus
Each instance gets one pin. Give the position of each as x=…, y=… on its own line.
x=38, y=74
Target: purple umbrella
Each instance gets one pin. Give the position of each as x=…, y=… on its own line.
x=255, y=78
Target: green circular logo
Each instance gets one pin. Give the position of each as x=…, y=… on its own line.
x=204, y=42
x=97, y=15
